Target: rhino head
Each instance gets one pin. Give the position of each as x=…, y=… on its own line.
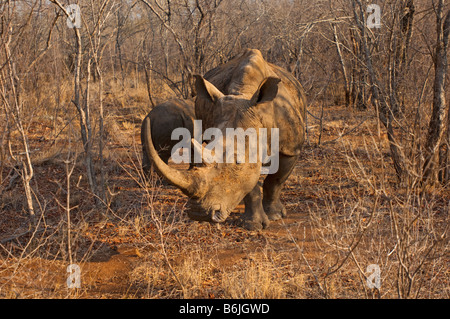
x=215, y=189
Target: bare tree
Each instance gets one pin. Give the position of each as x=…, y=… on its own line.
x=436, y=126
x=100, y=14
x=342, y=64
x=11, y=88
x=381, y=101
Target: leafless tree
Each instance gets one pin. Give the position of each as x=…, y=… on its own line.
x=100, y=13
x=436, y=126
x=14, y=72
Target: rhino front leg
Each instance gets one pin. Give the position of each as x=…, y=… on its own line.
x=146, y=164
x=254, y=217
x=273, y=184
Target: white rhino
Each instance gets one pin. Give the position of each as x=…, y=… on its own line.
x=246, y=92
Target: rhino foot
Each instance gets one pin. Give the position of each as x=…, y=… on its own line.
x=274, y=210
x=251, y=224
x=254, y=217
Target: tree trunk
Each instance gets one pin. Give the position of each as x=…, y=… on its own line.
x=436, y=127
x=16, y=111
x=343, y=68
x=383, y=111
x=148, y=80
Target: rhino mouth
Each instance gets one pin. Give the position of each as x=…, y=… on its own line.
x=200, y=216
x=212, y=215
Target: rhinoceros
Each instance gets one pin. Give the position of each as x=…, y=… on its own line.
x=164, y=119
x=246, y=92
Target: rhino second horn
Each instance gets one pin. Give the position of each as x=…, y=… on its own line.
x=183, y=180
x=207, y=158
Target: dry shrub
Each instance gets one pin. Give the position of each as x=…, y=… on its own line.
x=188, y=278
x=402, y=230
x=256, y=281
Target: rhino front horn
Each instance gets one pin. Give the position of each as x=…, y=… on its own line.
x=181, y=179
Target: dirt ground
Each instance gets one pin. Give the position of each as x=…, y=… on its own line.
x=144, y=246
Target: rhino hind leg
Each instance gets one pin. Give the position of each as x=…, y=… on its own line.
x=273, y=184
x=254, y=217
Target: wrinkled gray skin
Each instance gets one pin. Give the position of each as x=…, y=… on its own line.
x=165, y=118
x=246, y=92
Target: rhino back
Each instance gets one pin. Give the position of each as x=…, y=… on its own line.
x=289, y=112
x=242, y=75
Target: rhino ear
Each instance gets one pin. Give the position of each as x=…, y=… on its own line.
x=267, y=90
x=206, y=90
